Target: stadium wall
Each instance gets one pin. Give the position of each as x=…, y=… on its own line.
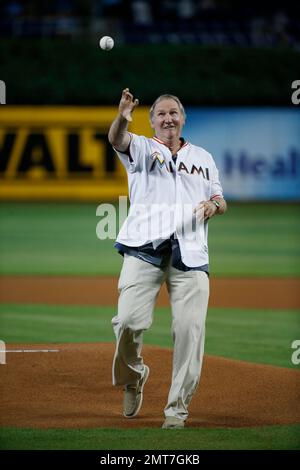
x=62, y=153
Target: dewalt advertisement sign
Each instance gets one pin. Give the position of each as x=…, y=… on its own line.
x=61, y=153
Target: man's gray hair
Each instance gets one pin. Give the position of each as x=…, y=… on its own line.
x=167, y=97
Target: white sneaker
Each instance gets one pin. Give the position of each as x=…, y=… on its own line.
x=171, y=422
x=133, y=396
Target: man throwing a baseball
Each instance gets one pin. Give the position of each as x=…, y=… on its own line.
x=174, y=190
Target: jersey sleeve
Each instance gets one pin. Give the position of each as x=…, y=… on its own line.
x=133, y=159
x=216, y=188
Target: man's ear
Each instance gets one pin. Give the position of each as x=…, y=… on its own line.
x=151, y=123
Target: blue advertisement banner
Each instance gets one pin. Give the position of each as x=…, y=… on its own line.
x=257, y=150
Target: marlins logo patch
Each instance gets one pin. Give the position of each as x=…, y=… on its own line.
x=157, y=158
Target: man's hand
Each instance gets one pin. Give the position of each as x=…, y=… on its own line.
x=127, y=104
x=118, y=135
x=206, y=209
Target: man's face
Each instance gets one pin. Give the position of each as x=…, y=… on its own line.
x=167, y=120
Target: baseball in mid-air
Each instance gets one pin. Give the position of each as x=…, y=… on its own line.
x=106, y=43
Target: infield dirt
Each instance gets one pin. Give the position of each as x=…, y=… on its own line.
x=229, y=292
x=72, y=388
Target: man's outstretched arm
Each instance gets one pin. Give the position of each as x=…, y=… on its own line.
x=118, y=135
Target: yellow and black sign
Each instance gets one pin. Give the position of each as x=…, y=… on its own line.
x=53, y=153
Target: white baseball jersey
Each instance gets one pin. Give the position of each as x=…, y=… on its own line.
x=163, y=195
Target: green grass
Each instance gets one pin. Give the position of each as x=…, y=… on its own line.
x=258, y=240
x=262, y=336
x=271, y=437
x=53, y=239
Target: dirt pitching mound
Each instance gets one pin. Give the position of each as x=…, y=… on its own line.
x=72, y=389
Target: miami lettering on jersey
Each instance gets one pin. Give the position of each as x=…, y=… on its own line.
x=194, y=170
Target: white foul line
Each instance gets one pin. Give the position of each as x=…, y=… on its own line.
x=29, y=350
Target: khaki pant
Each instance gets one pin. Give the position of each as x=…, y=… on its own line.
x=139, y=285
